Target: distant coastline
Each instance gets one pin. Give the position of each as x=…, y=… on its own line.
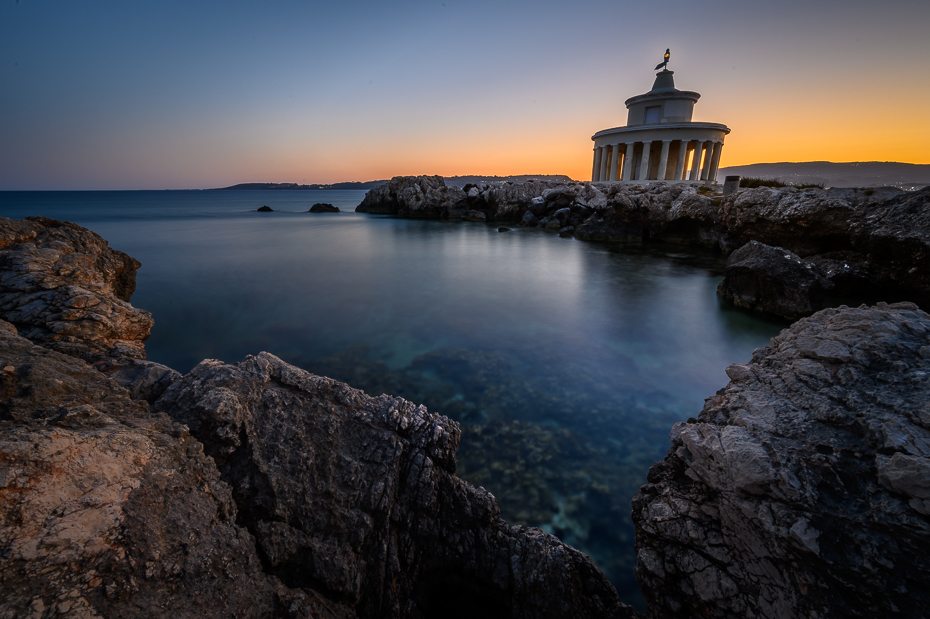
x=908, y=176
x=458, y=181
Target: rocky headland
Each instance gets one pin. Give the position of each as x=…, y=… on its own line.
x=256, y=489
x=868, y=243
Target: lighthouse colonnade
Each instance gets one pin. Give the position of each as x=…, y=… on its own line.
x=662, y=160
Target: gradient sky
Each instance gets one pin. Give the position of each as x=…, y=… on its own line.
x=151, y=95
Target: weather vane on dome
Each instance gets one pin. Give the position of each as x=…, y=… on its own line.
x=664, y=63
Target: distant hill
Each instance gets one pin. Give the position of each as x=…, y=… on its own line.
x=460, y=181
x=290, y=186
x=828, y=174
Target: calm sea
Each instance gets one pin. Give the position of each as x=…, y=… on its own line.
x=565, y=362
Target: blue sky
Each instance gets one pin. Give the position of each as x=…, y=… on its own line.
x=112, y=95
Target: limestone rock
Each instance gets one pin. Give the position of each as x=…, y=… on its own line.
x=773, y=280
x=801, y=489
x=357, y=496
x=62, y=286
x=805, y=221
x=107, y=510
x=415, y=196
x=896, y=235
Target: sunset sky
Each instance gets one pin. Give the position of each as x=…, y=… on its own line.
x=156, y=95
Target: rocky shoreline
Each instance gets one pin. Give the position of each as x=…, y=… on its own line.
x=869, y=243
x=128, y=490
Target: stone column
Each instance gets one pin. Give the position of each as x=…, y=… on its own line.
x=614, y=160
x=663, y=160
x=696, y=161
x=597, y=163
x=602, y=175
x=705, y=170
x=628, y=162
x=682, y=153
x=715, y=161
x=644, y=163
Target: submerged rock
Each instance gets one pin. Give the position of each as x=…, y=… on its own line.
x=773, y=280
x=800, y=490
x=323, y=207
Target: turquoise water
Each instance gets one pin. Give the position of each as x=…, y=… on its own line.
x=565, y=362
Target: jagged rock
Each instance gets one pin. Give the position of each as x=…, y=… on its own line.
x=773, y=280
x=108, y=510
x=62, y=286
x=896, y=236
x=323, y=207
x=800, y=490
x=509, y=201
x=358, y=495
x=265, y=209
x=415, y=196
x=529, y=220
x=805, y=221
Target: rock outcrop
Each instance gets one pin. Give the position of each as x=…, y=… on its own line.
x=62, y=286
x=416, y=196
x=870, y=243
x=109, y=510
x=801, y=489
x=773, y=280
x=357, y=498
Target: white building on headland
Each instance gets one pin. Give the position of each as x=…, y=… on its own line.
x=659, y=141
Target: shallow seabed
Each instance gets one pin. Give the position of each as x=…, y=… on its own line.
x=566, y=362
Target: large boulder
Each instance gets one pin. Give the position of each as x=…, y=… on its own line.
x=323, y=207
x=897, y=237
x=107, y=510
x=773, y=280
x=806, y=221
x=357, y=497
x=801, y=490
x=62, y=286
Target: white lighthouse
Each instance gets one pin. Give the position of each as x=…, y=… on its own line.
x=659, y=142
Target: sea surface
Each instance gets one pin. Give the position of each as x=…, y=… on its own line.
x=566, y=362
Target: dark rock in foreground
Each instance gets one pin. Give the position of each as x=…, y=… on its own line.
x=107, y=509
x=802, y=488
x=357, y=498
x=323, y=207
x=773, y=280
